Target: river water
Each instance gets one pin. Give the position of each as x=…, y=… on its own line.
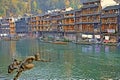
x=68, y=62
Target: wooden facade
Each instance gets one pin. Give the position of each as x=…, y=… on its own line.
x=109, y=19
x=68, y=21
x=46, y=22
x=12, y=26
x=85, y=20
x=4, y=27
x=78, y=20
x=90, y=16
x=56, y=22
x=33, y=23
x=89, y=20
x=40, y=23
x=110, y=25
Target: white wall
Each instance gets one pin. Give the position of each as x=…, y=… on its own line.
x=106, y=3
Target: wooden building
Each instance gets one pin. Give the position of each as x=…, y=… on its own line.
x=68, y=25
x=90, y=19
x=88, y=24
x=46, y=20
x=40, y=23
x=7, y=27
x=12, y=26
x=4, y=28
x=78, y=20
x=33, y=25
x=56, y=25
x=45, y=27
x=110, y=23
x=68, y=21
x=78, y=24
x=22, y=26
x=56, y=21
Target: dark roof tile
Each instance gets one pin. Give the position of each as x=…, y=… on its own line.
x=88, y=1
x=90, y=6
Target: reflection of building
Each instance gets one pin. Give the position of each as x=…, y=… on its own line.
x=97, y=48
x=110, y=19
x=13, y=49
x=86, y=49
x=106, y=49
x=68, y=62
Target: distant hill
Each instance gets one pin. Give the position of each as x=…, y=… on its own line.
x=20, y=7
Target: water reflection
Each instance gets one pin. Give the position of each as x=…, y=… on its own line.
x=68, y=61
x=99, y=49
x=86, y=49
x=13, y=52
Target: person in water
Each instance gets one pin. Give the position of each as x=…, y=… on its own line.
x=24, y=65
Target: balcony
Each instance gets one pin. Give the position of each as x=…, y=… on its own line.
x=109, y=15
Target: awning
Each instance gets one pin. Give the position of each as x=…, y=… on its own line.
x=87, y=36
x=107, y=37
x=90, y=36
x=111, y=30
x=84, y=36
x=97, y=36
x=3, y=34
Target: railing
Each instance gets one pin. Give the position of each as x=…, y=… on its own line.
x=109, y=21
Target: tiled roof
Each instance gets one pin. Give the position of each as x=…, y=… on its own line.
x=55, y=14
x=91, y=1
x=78, y=10
x=67, y=12
x=112, y=7
x=90, y=6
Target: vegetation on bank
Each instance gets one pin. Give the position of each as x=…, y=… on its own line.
x=20, y=7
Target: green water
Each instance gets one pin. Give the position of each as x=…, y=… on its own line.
x=68, y=62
